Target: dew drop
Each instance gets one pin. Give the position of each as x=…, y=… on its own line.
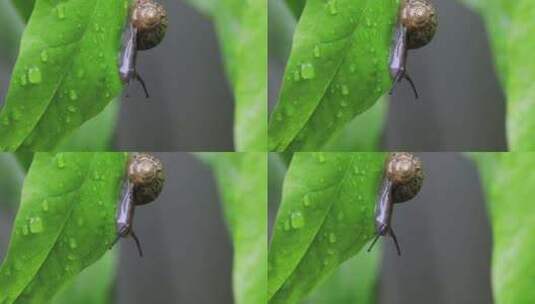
x=34, y=75
x=72, y=243
x=297, y=76
x=23, y=80
x=286, y=226
x=321, y=157
x=61, y=12
x=331, y=6
x=36, y=225
x=73, y=95
x=60, y=161
x=317, y=53
x=307, y=71
x=306, y=201
x=71, y=108
x=345, y=90
x=332, y=238
x=45, y=205
x=44, y=56
x=297, y=220
x=25, y=230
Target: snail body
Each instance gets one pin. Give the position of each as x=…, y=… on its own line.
x=402, y=180
x=146, y=29
x=416, y=27
x=143, y=183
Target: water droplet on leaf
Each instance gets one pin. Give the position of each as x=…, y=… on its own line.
x=73, y=95
x=44, y=56
x=331, y=6
x=297, y=220
x=332, y=237
x=34, y=75
x=307, y=71
x=36, y=225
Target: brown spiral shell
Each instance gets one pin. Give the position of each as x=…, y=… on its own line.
x=145, y=171
x=405, y=171
x=150, y=20
x=420, y=19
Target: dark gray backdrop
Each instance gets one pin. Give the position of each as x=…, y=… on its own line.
x=191, y=105
x=461, y=105
x=444, y=236
x=188, y=253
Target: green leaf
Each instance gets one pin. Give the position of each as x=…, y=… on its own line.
x=325, y=217
x=95, y=134
x=66, y=222
x=241, y=26
x=511, y=26
x=338, y=68
x=361, y=134
x=508, y=181
x=354, y=282
x=94, y=285
x=66, y=72
x=242, y=181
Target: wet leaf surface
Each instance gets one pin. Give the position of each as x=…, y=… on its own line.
x=66, y=71
x=65, y=222
x=338, y=68
x=325, y=217
x=508, y=181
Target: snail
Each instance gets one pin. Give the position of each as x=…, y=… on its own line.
x=146, y=29
x=417, y=24
x=402, y=180
x=143, y=184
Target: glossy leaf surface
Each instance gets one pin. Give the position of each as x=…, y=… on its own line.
x=66, y=71
x=325, y=217
x=242, y=181
x=511, y=25
x=338, y=68
x=508, y=181
x=241, y=26
x=65, y=222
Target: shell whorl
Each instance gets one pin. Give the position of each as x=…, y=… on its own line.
x=150, y=20
x=146, y=173
x=406, y=173
x=420, y=19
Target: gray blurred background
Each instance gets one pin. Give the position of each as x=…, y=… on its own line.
x=461, y=105
x=191, y=105
x=444, y=235
x=188, y=253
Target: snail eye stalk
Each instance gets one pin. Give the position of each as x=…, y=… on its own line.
x=402, y=180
